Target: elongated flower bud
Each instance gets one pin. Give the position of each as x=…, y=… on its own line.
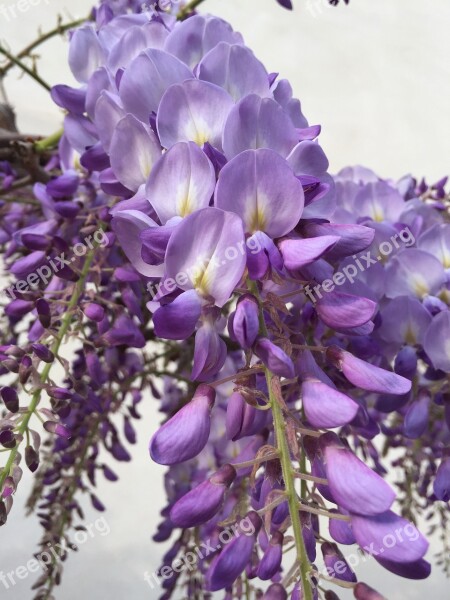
x=10, y=398
x=271, y=561
x=229, y=564
x=186, y=433
x=336, y=564
x=275, y=592
x=43, y=353
x=245, y=324
x=202, y=503
x=274, y=358
x=441, y=485
x=362, y=591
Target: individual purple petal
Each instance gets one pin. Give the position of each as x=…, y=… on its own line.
x=344, y=311
x=191, y=39
x=94, y=311
x=275, y=591
x=417, y=416
x=354, y=485
x=404, y=320
x=257, y=122
x=246, y=320
x=366, y=376
x=353, y=238
x=193, y=111
x=362, y=591
x=441, y=484
x=285, y=4
x=147, y=78
x=271, y=560
x=235, y=69
x=101, y=81
x=124, y=332
x=206, y=252
x=406, y=544
x=135, y=40
x=260, y=187
x=127, y=225
x=203, y=502
x=181, y=182
x=336, y=563
x=262, y=255
x=414, y=272
x=341, y=531
x=436, y=241
x=108, y=114
x=185, y=435
x=210, y=352
x=326, y=407
x=417, y=570
x=298, y=252
x=177, y=320
x=86, y=53
x=72, y=99
x=232, y=560
x=155, y=241
x=436, y=342
x=308, y=158
x=133, y=167
x=275, y=359
x=243, y=419
x=10, y=398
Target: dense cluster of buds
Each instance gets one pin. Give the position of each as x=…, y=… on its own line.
x=190, y=243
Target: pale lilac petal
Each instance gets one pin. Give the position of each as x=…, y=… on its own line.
x=257, y=122
x=236, y=69
x=404, y=320
x=206, y=252
x=133, y=166
x=108, y=113
x=181, y=182
x=210, y=353
x=147, y=78
x=415, y=272
x=308, y=158
x=191, y=39
x=326, y=407
x=437, y=341
x=127, y=225
x=260, y=187
x=86, y=53
x=193, y=111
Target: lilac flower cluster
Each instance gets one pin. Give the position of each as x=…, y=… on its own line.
x=213, y=188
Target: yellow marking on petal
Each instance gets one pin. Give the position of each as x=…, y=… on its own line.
x=200, y=138
x=410, y=336
x=185, y=207
x=257, y=220
x=420, y=286
x=378, y=214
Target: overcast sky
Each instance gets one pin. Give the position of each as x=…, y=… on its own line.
x=376, y=76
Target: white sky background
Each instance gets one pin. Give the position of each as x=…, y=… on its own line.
x=376, y=76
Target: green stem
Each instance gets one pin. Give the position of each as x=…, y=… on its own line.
x=286, y=466
x=188, y=9
x=289, y=482
x=24, y=68
x=65, y=326
x=49, y=142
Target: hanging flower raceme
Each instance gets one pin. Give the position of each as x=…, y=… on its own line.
x=214, y=288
